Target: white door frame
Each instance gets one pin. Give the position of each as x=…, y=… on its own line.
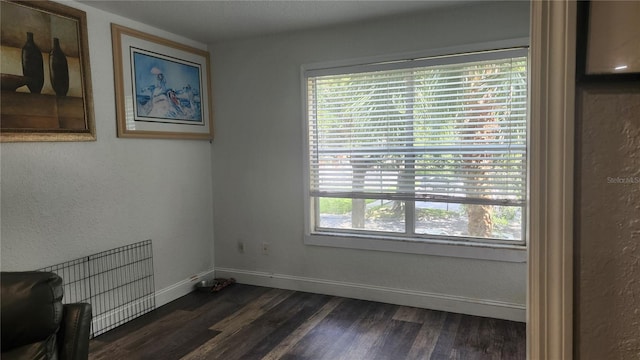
x=550, y=273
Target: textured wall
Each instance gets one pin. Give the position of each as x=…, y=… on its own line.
x=61, y=201
x=258, y=154
x=608, y=288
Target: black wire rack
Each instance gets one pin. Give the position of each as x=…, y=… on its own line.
x=118, y=283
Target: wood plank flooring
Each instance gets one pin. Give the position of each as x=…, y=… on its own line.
x=251, y=322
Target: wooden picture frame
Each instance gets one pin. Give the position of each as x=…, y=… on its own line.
x=46, y=78
x=608, y=41
x=163, y=88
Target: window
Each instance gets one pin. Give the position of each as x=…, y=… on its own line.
x=426, y=149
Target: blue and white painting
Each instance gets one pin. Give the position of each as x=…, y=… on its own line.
x=166, y=89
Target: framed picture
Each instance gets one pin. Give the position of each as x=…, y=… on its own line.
x=162, y=87
x=46, y=80
x=608, y=41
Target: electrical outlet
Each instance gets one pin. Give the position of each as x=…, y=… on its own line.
x=265, y=248
x=241, y=247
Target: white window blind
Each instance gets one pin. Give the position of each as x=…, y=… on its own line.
x=450, y=129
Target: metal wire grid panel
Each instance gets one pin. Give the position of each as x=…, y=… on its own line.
x=118, y=283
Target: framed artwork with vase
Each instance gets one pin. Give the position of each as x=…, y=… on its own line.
x=46, y=80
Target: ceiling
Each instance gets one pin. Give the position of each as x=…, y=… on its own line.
x=212, y=21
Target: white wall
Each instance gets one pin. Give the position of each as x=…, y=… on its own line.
x=257, y=167
x=61, y=201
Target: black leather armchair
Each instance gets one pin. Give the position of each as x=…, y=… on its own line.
x=35, y=323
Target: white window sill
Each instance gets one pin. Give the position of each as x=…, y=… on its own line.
x=496, y=252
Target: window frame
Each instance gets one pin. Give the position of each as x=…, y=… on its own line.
x=410, y=243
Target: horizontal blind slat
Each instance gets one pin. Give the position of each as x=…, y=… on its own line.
x=453, y=130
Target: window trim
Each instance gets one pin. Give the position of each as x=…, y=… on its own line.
x=423, y=246
x=419, y=245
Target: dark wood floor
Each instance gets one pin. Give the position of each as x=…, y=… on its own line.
x=250, y=322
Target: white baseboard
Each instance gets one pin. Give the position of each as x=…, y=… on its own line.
x=421, y=299
x=181, y=288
